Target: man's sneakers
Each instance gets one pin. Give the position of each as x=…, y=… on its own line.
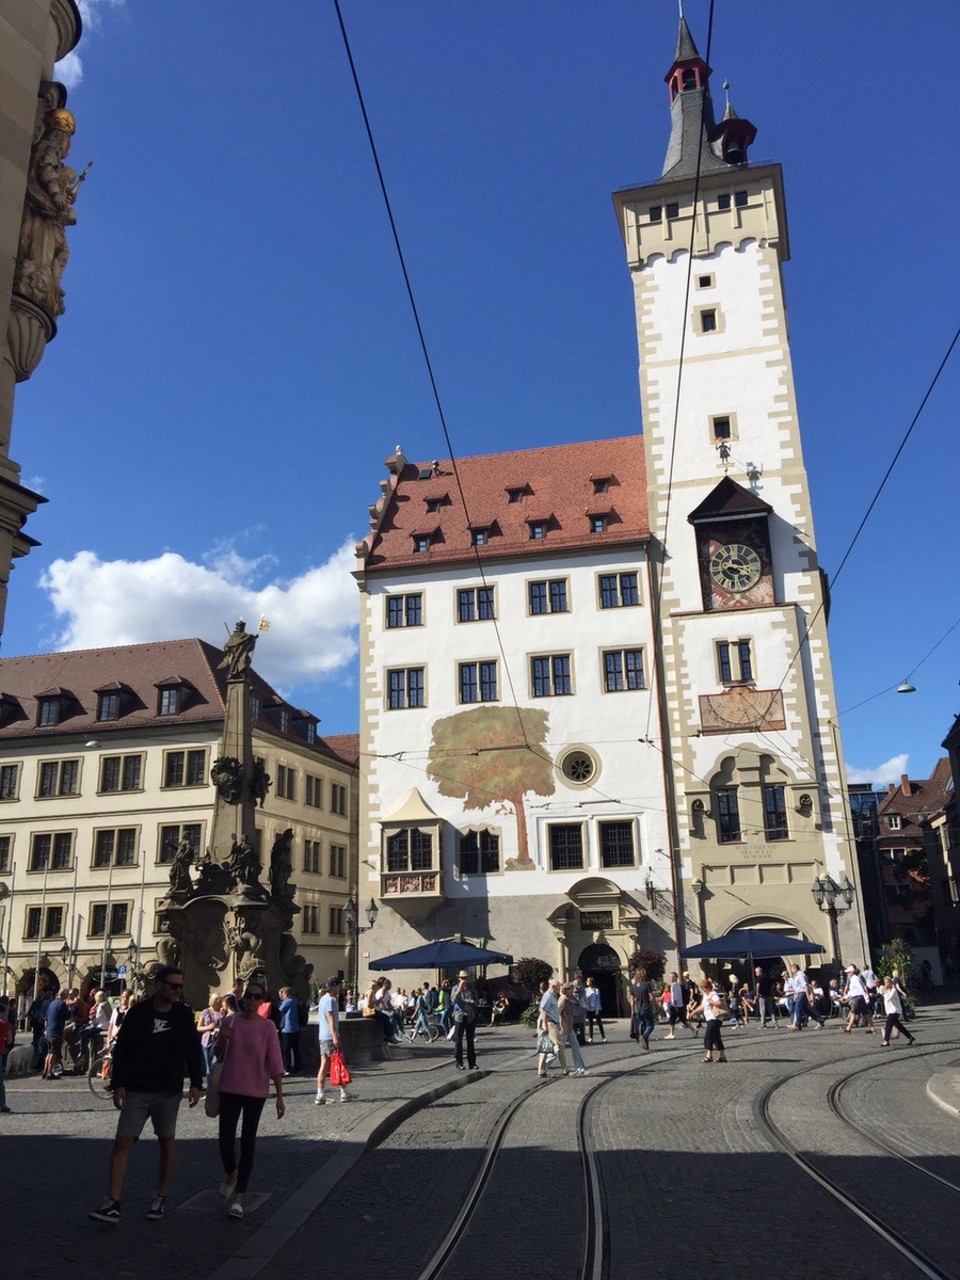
x=157, y=1206
x=109, y=1211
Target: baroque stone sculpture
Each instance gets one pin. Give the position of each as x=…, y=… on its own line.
x=48, y=209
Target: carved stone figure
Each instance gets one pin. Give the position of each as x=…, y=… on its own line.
x=281, y=866
x=214, y=878
x=168, y=951
x=260, y=782
x=226, y=774
x=180, y=881
x=238, y=651
x=48, y=208
x=244, y=940
x=245, y=865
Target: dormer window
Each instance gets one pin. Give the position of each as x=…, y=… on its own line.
x=283, y=719
x=425, y=473
x=479, y=536
x=256, y=706
x=516, y=495
x=538, y=530
x=48, y=712
x=108, y=705
x=169, y=701
x=421, y=543
x=433, y=505
x=601, y=484
x=598, y=524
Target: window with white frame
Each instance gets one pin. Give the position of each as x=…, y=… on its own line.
x=479, y=853
x=550, y=676
x=476, y=604
x=565, y=842
x=409, y=850
x=622, y=670
x=405, y=610
x=58, y=778
x=478, y=681
x=406, y=688
x=618, y=590
x=548, y=596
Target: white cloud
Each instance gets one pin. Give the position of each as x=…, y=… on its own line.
x=890, y=771
x=69, y=70
x=313, y=618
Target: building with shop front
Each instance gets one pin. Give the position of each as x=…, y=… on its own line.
x=597, y=697
x=105, y=759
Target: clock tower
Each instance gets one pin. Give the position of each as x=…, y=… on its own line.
x=746, y=723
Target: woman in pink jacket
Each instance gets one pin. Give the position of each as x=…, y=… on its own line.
x=249, y=1048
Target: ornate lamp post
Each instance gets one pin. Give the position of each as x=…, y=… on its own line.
x=69, y=958
x=135, y=974
x=827, y=895
x=353, y=924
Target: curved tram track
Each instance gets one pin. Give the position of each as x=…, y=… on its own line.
x=925, y=1259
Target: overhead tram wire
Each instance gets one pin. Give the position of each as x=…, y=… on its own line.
x=804, y=639
x=425, y=351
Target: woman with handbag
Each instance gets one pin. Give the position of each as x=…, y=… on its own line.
x=248, y=1049
x=711, y=1008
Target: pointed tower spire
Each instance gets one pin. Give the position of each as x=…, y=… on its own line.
x=695, y=139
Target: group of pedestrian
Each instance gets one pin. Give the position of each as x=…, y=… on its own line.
x=159, y=1043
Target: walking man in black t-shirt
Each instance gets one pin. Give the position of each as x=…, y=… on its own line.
x=157, y=1045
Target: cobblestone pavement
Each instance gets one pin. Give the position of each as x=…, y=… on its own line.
x=690, y=1180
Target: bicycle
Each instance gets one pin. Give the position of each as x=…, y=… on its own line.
x=99, y=1076
x=429, y=1033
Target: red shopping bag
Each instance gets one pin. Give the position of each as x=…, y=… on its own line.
x=339, y=1075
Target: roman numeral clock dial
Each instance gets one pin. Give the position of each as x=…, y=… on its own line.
x=735, y=567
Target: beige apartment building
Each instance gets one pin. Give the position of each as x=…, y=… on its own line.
x=105, y=761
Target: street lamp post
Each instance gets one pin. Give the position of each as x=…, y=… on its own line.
x=69, y=958
x=135, y=974
x=356, y=928
x=827, y=894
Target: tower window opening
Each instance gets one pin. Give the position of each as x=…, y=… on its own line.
x=690, y=79
x=723, y=200
x=673, y=210
x=721, y=427
x=740, y=199
x=708, y=321
x=656, y=213
x=704, y=282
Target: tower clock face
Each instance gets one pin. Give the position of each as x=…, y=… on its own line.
x=735, y=567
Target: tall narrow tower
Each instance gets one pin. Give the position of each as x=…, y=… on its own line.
x=747, y=719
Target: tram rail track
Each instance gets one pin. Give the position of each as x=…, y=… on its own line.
x=921, y=1258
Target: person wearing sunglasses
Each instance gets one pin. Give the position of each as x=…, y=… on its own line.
x=249, y=1048
x=156, y=1046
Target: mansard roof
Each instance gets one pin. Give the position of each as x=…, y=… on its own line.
x=555, y=485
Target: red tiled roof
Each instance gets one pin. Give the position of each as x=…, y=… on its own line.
x=138, y=669
x=556, y=481
x=344, y=745
x=925, y=797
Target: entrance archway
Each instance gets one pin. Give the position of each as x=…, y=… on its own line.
x=601, y=963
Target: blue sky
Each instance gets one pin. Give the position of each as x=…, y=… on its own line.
x=238, y=355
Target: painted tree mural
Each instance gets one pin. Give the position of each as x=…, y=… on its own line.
x=484, y=757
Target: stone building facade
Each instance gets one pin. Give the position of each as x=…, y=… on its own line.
x=597, y=695
x=105, y=759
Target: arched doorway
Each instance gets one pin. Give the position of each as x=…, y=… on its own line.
x=601, y=963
